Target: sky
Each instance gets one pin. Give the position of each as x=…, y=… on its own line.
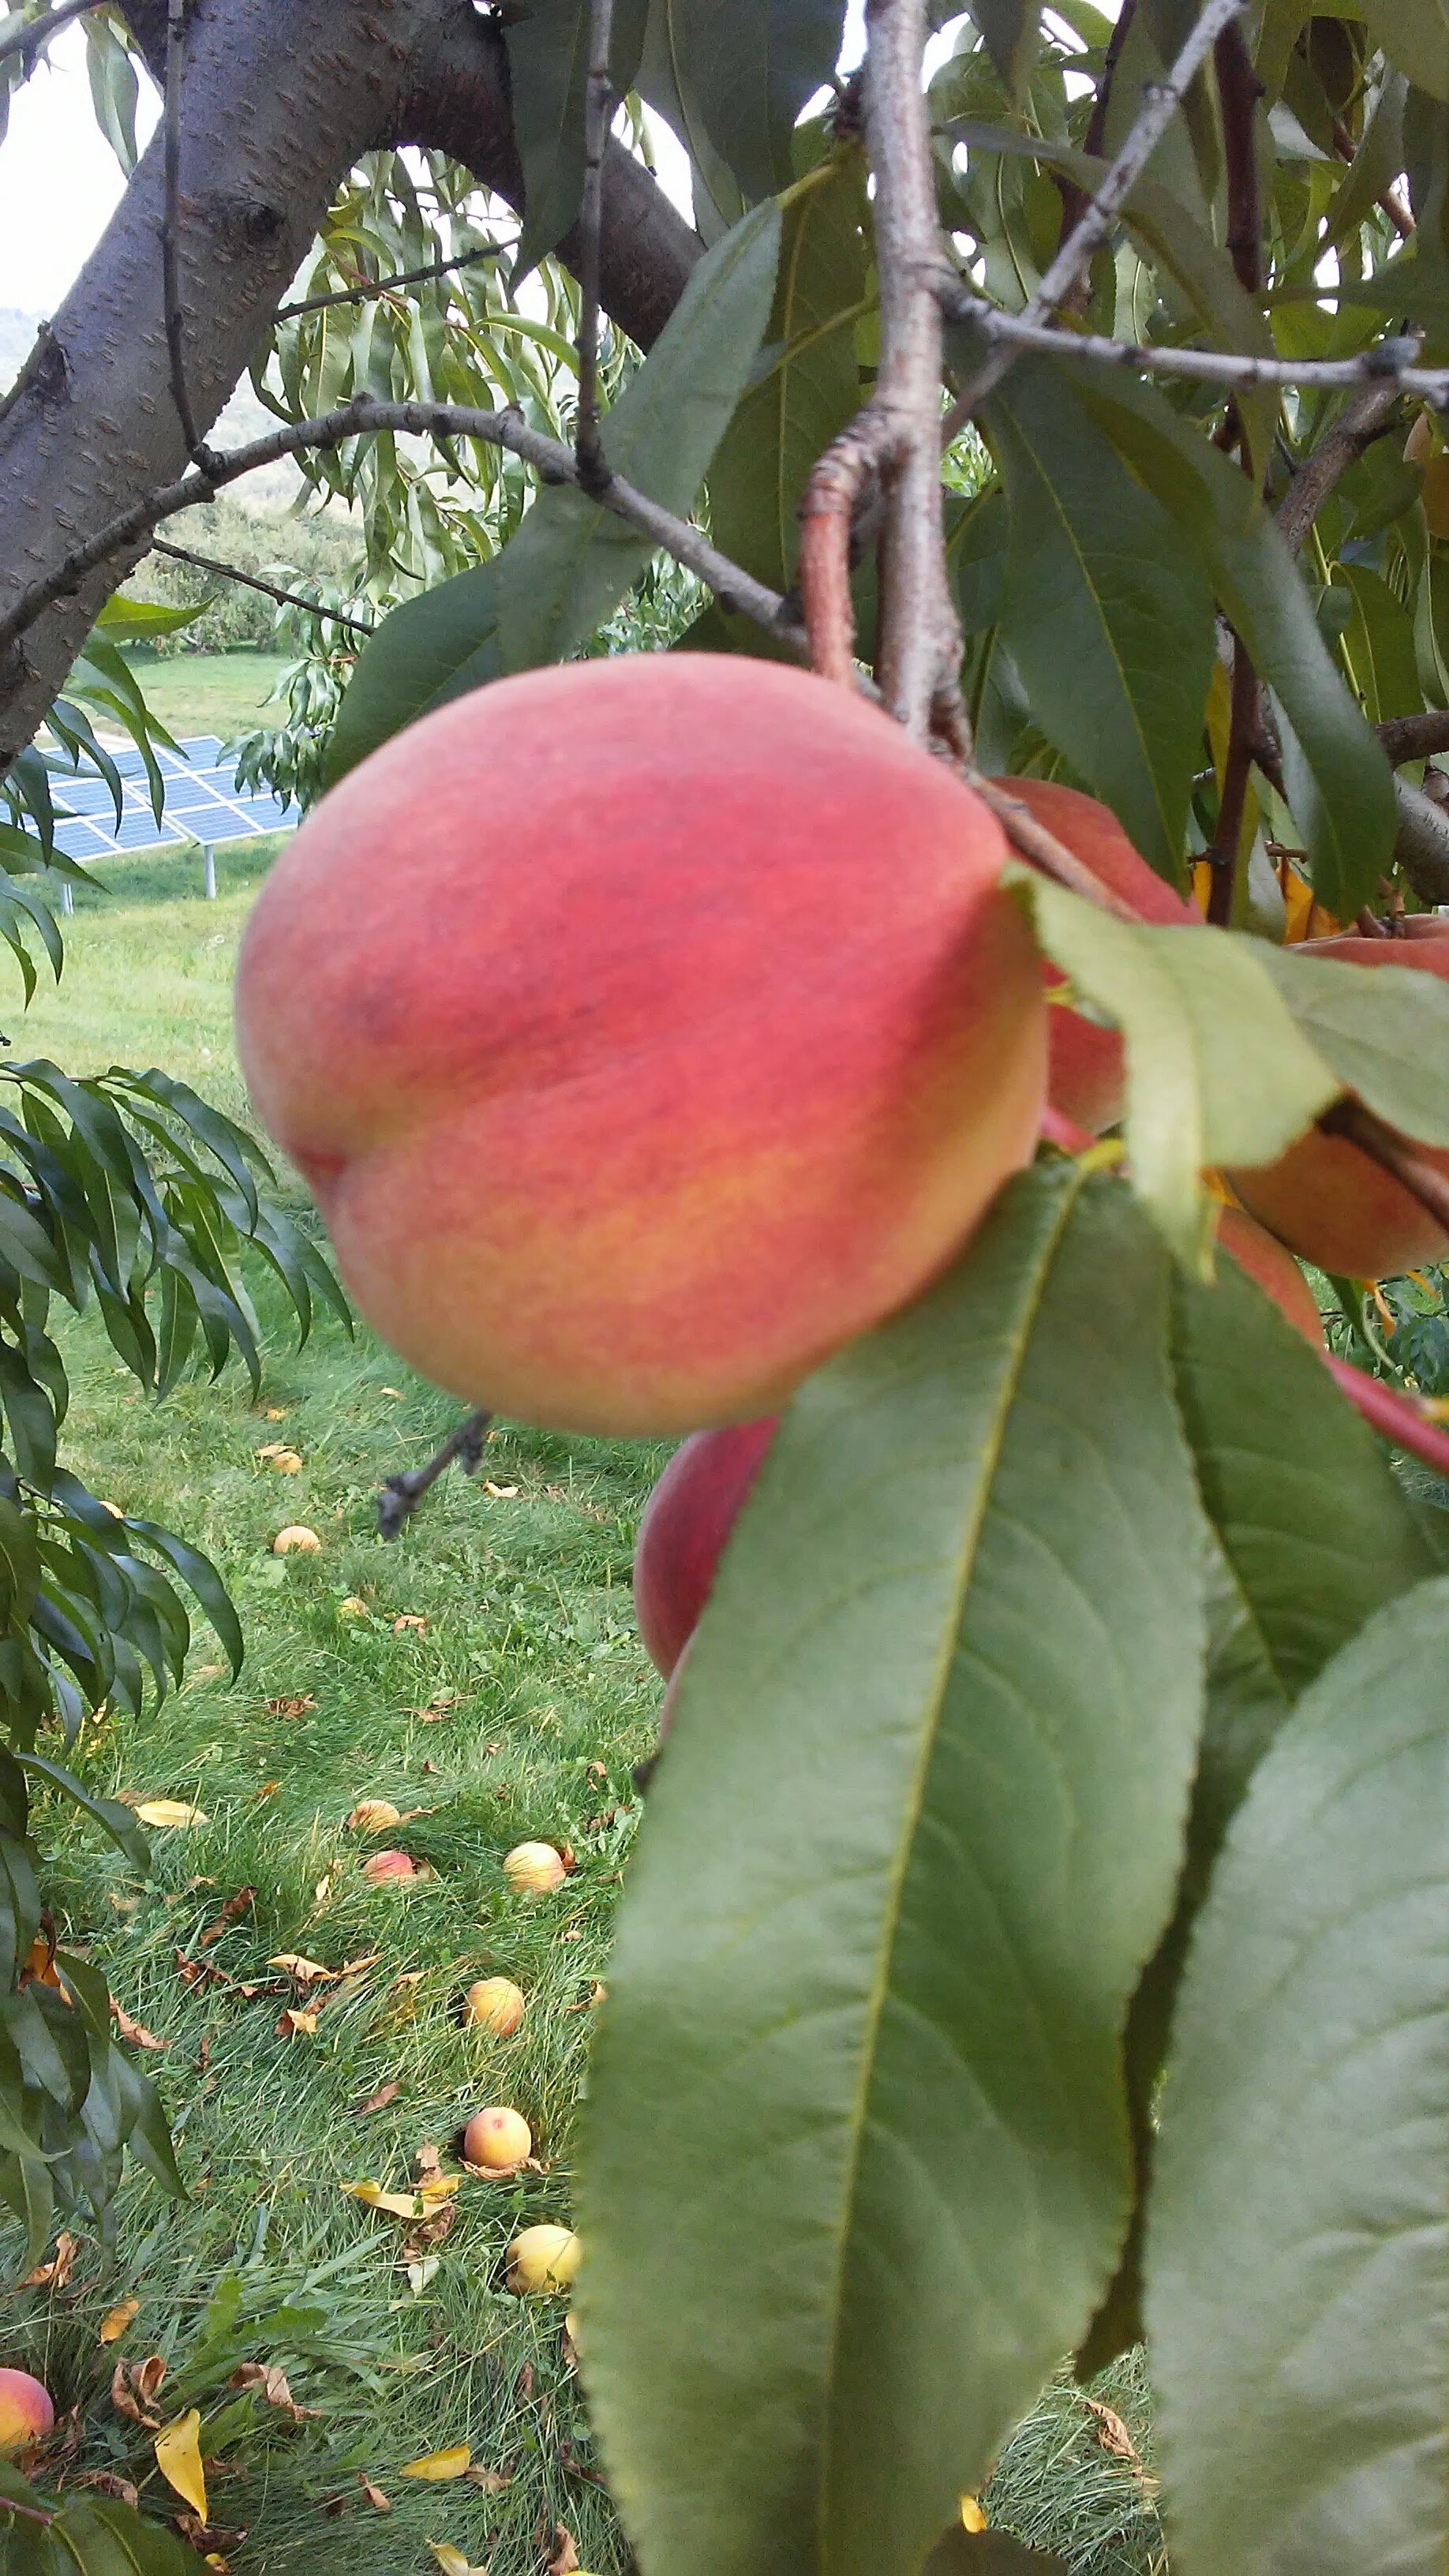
x=59, y=179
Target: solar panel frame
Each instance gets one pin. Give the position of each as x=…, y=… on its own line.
x=203, y=804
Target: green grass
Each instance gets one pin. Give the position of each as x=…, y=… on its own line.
x=195, y=693
x=517, y=1708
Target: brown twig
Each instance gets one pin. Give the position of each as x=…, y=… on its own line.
x=363, y=418
x=171, y=226
x=376, y=286
x=269, y=589
x=40, y=28
x=401, y=1495
x=1074, y=255
x=1043, y=851
x=1414, y=737
x=1388, y=198
x=897, y=436
x=593, y=471
x=1243, y=731
x=1239, y=90
x=1353, y=433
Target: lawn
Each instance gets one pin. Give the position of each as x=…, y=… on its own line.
x=484, y=1675
x=197, y=693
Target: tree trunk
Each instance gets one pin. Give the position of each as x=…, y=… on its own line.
x=281, y=97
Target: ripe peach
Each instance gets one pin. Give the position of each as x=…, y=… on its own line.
x=689, y=1035
x=687, y=1521
x=1087, y=1080
x=498, y=2138
x=1324, y=1198
x=381, y=1866
x=493, y=2005
x=543, y=2259
x=534, y=1869
x=296, y=1540
x=1276, y=1272
x=26, y=2413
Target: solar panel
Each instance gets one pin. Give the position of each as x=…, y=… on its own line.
x=203, y=802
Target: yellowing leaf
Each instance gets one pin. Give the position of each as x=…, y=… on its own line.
x=116, y=2320
x=453, y=2562
x=399, y=2204
x=438, y=2466
x=178, y=2457
x=169, y=1811
x=308, y=1972
x=438, y=2187
x=971, y=2514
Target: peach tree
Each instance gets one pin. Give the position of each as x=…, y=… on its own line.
x=1036, y=1938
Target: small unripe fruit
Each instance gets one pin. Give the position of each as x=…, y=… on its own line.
x=380, y=1867
x=534, y=1869
x=687, y=1522
x=494, y=2005
x=296, y=1540
x=498, y=2138
x=26, y=2413
x=694, y=1035
x=1324, y=1198
x=543, y=2260
x=1087, y=1080
x=374, y=1816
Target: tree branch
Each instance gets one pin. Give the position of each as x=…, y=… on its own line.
x=401, y=1495
x=589, y=460
x=39, y=28
x=170, y=225
x=363, y=418
x=1075, y=200
x=1414, y=737
x=376, y=286
x=1239, y=90
x=268, y=589
x=1421, y=845
x=1074, y=255
x=1243, y=729
x=1358, y=425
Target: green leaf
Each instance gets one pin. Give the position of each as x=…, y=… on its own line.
x=1415, y=35
x=140, y=621
x=1107, y=619
x=1383, y=1029
x=1215, y=1061
x=1379, y=642
x=1010, y=28
x=99, y=2538
x=809, y=384
x=198, y=1572
x=434, y=647
x=571, y=562
x=1296, y=2241
x=548, y=62
x=1340, y=785
x=29, y=2193
x=856, y=2165
x=747, y=68
x=108, y=1813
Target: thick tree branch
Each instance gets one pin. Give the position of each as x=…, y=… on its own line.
x=364, y=418
x=40, y=28
x=1421, y=845
x=1414, y=737
x=171, y=223
x=598, y=110
x=1358, y=425
x=1074, y=255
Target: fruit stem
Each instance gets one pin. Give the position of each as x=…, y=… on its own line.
x=401, y=1495
x=1393, y=1415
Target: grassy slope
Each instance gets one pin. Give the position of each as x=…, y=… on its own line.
x=195, y=693
x=529, y=1650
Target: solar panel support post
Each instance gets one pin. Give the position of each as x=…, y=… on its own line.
x=208, y=871
x=67, y=898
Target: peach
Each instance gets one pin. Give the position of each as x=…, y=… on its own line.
x=1276, y=1272
x=374, y=1816
x=296, y=1540
x=687, y=1521
x=380, y=1867
x=498, y=2138
x=493, y=2005
x=534, y=1869
x=1087, y=1080
x=26, y=2413
x=1324, y=1198
x=543, y=2259
x=682, y=1032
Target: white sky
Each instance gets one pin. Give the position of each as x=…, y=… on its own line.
x=60, y=180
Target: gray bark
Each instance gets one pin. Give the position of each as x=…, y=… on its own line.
x=281, y=98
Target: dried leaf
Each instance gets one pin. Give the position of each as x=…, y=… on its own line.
x=135, y=2031
x=502, y=1493
x=566, y=2562
x=275, y=1413
x=169, y=1811
x=115, y=2321
x=1112, y=2433
x=438, y=2466
x=306, y=1972
x=39, y=1968
x=438, y=2188
x=409, y=1619
x=420, y=2273
x=377, y=2101
x=287, y=1707
x=178, y=2457
x=135, y=2386
x=282, y=1460
x=56, y=2273
x=107, y=2482
x=294, y=2024
x=374, y=2494
x=372, y=2196
x=242, y=1903
x=491, y=2481
x=272, y=2381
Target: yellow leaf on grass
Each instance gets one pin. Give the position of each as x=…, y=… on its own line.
x=971, y=2514
x=399, y=2204
x=438, y=2187
x=169, y=1811
x=116, y=2320
x=438, y=2466
x=453, y=2562
x=178, y=2457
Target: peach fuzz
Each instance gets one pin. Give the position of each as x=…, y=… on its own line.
x=1324, y=1198
x=686, y=1525
x=678, y=1033
x=26, y=2412
x=1087, y=1078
